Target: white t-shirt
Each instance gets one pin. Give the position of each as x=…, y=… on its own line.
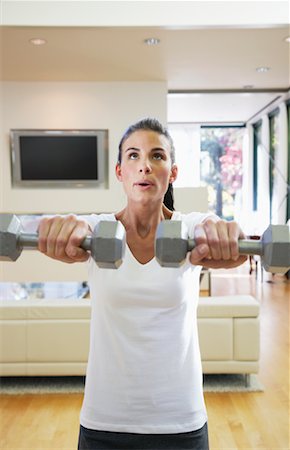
x=144, y=370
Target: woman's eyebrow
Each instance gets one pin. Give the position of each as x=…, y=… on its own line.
x=132, y=148
x=159, y=149
x=154, y=149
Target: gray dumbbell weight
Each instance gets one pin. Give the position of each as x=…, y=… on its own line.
x=172, y=245
x=106, y=244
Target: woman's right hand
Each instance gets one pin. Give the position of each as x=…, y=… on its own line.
x=60, y=237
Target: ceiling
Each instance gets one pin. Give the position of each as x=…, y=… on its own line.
x=187, y=59
x=215, y=59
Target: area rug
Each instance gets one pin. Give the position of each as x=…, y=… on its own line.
x=75, y=385
x=231, y=383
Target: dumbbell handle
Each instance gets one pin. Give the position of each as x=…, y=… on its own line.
x=29, y=240
x=246, y=246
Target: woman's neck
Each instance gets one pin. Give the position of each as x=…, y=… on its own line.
x=143, y=219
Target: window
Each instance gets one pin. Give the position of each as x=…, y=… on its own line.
x=221, y=168
x=186, y=138
x=257, y=129
x=288, y=177
x=211, y=157
x=274, y=143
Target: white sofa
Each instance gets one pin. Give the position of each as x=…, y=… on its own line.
x=51, y=337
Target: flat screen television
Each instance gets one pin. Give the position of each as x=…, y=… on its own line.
x=59, y=158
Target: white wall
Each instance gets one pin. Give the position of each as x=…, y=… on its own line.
x=112, y=106
x=1, y=149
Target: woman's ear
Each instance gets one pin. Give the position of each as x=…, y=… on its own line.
x=174, y=172
x=118, y=171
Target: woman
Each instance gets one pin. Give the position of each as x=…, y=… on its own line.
x=144, y=377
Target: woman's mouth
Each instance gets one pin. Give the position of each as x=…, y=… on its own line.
x=144, y=184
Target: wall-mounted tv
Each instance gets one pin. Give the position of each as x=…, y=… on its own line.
x=59, y=158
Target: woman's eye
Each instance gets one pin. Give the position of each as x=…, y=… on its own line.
x=133, y=155
x=158, y=156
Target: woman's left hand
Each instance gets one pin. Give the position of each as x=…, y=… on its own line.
x=217, y=244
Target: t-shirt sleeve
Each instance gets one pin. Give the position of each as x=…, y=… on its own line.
x=195, y=218
x=94, y=219
x=91, y=219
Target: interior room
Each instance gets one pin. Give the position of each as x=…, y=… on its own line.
x=216, y=74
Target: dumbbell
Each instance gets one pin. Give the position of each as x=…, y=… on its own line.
x=172, y=244
x=106, y=244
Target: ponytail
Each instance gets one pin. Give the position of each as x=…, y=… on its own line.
x=168, y=198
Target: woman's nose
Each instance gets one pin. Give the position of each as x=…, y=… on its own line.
x=145, y=167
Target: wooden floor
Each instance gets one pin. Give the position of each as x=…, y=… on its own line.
x=257, y=420
x=236, y=420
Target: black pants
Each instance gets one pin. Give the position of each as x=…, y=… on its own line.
x=107, y=440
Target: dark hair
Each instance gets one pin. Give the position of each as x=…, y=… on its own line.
x=147, y=124
x=152, y=124
x=169, y=198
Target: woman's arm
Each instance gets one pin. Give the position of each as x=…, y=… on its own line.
x=217, y=244
x=60, y=237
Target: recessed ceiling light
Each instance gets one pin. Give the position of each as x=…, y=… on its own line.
x=152, y=41
x=262, y=69
x=287, y=39
x=37, y=41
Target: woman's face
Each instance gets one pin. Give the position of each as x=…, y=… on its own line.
x=146, y=168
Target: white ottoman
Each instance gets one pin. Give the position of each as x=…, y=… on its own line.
x=229, y=334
